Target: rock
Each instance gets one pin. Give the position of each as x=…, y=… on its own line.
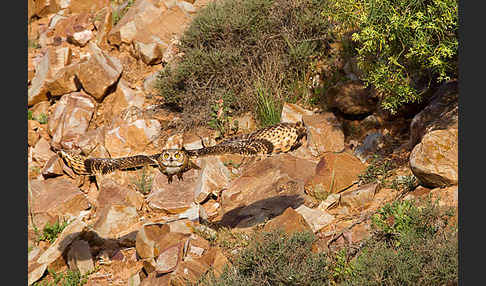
x=149, y=83
x=351, y=98
x=84, y=6
x=101, y=66
x=79, y=257
x=447, y=197
x=359, y=198
x=293, y=113
x=265, y=190
x=434, y=161
x=70, y=119
x=123, y=98
x=50, y=63
x=81, y=38
x=317, y=219
x=289, y=221
x=192, y=270
x=62, y=28
x=325, y=133
x=441, y=113
x=334, y=173
x=40, y=109
x=53, y=198
x=43, y=8
x=176, y=197
x=371, y=145
x=113, y=193
x=32, y=134
x=127, y=138
x=213, y=178
x=160, y=249
x=116, y=221
x=150, y=26
x=53, y=167
x=42, y=151
x=64, y=81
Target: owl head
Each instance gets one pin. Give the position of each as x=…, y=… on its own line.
x=172, y=158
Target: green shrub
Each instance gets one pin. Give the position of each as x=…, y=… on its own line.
x=50, y=232
x=67, y=278
x=232, y=45
x=275, y=258
x=411, y=245
x=403, y=46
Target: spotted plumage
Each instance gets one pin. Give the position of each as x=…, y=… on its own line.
x=275, y=139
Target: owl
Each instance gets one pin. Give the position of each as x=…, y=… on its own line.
x=174, y=162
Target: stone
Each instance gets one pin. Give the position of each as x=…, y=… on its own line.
x=81, y=38
x=352, y=98
x=113, y=193
x=434, y=161
x=293, y=113
x=42, y=151
x=264, y=190
x=43, y=8
x=149, y=26
x=359, y=198
x=325, y=133
x=289, y=221
x=447, y=197
x=176, y=197
x=213, y=178
x=53, y=167
x=371, y=145
x=334, y=173
x=149, y=83
x=123, y=97
x=32, y=134
x=317, y=219
x=70, y=119
x=127, y=138
x=53, y=198
x=64, y=81
x=440, y=113
x=169, y=258
x=84, y=6
x=104, y=68
x=46, y=69
x=79, y=257
x=40, y=109
x=116, y=220
x=192, y=270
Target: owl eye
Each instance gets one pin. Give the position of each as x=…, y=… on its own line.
x=177, y=155
x=166, y=156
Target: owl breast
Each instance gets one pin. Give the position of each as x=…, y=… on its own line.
x=172, y=170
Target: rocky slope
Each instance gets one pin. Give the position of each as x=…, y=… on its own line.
x=90, y=90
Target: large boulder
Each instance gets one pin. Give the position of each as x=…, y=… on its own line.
x=70, y=119
x=334, y=173
x=440, y=113
x=52, y=199
x=265, y=190
x=99, y=73
x=434, y=161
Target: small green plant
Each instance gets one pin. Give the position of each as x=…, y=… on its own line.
x=42, y=119
x=29, y=114
x=67, y=278
x=119, y=13
x=341, y=266
x=268, y=108
x=50, y=232
x=378, y=170
x=34, y=44
x=221, y=119
x=143, y=182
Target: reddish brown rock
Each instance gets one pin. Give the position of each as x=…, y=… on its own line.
x=176, y=197
x=40, y=109
x=84, y=6
x=214, y=177
x=316, y=218
x=325, y=133
x=41, y=153
x=53, y=167
x=359, y=198
x=54, y=198
x=32, y=134
x=42, y=8
x=334, y=173
x=46, y=70
x=116, y=220
x=293, y=113
x=440, y=113
x=102, y=67
x=352, y=98
x=127, y=137
x=64, y=81
x=113, y=193
x=265, y=189
x=70, y=119
x=193, y=269
x=434, y=161
x=123, y=98
x=289, y=221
